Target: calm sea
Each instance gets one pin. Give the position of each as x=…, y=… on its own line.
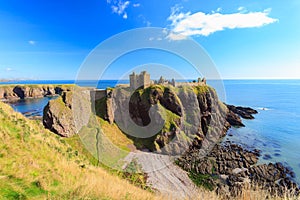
x=275, y=129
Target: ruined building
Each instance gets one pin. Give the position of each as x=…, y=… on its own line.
x=142, y=80
x=139, y=80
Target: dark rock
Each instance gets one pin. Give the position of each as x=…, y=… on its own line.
x=12, y=93
x=240, y=164
x=277, y=154
x=244, y=112
x=19, y=92
x=267, y=157
x=247, y=110
x=234, y=119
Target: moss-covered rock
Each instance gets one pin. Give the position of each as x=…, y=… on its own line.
x=67, y=114
x=190, y=113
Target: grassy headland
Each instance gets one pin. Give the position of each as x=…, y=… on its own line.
x=37, y=164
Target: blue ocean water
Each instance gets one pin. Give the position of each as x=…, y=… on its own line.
x=275, y=129
x=31, y=107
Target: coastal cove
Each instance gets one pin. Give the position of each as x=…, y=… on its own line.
x=275, y=130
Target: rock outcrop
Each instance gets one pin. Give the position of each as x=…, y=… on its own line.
x=193, y=115
x=244, y=112
x=67, y=114
x=58, y=118
x=229, y=167
x=16, y=92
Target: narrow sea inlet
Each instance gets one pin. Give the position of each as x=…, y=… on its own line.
x=31, y=107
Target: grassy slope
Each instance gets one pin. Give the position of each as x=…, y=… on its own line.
x=36, y=164
x=115, y=135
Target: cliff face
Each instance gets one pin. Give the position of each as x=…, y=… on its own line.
x=176, y=119
x=13, y=92
x=162, y=119
x=62, y=117
x=184, y=121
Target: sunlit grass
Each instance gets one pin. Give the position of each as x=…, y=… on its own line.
x=41, y=165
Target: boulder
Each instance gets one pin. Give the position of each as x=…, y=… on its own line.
x=244, y=112
x=233, y=119
x=237, y=167
x=58, y=118
x=67, y=114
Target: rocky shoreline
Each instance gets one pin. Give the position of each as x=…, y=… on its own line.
x=229, y=167
x=10, y=93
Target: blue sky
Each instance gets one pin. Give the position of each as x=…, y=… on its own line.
x=246, y=39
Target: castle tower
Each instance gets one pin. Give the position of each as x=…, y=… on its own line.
x=144, y=79
x=133, y=81
x=141, y=80
x=173, y=82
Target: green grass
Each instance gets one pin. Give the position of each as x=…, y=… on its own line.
x=203, y=180
x=201, y=89
x=101, y=107
x=171, y=120
x=37, y=164
x=76, y=143
x=134, y=173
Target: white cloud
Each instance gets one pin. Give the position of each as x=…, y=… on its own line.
x=157, y=39
x=176, y=36
x=218, y=10
x=119, y=7
x=8, y=69
x=199, y=23
x=144, y=20
x=136, y=5
x=241, y=8
x=32, y=42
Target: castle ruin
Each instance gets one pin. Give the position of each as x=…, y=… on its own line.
x=139, y=80
x=142, y=80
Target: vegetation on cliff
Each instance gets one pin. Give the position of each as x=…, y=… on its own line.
x=37, y=164
x=15, y=92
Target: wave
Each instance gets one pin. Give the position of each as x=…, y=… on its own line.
x=263, y=108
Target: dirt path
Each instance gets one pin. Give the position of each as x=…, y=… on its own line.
x=165, y=176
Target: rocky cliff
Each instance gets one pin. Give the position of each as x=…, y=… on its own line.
x=175, y=119
x=16, y=92
x=187, y=122
x=168, y=119
x=62, y=117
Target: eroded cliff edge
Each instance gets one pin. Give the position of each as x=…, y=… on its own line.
x=17, y=92
x=192, y=116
